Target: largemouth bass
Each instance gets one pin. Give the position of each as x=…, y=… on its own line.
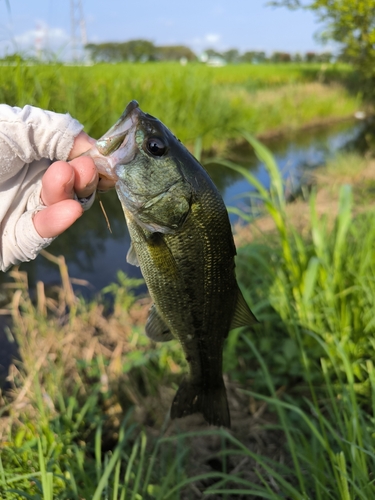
x=182, y=240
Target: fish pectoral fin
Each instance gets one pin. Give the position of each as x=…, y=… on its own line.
x=242, y=314
x=166, y=212
x=131, y=256
x=156, y=329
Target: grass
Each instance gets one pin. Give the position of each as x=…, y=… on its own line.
x=198, y=103
x=345, y=166
x=302, y=103
x=87, y=413
x=314, y=297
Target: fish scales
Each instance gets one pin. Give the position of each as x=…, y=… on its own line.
x=182, y=241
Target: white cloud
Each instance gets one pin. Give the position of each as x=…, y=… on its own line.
x=212, y=38
x=47, y=37
x=43, y=38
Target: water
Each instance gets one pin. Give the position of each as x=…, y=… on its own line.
x=295, y=155
x=95, y=255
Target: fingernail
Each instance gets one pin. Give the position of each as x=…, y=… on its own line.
x=68, y=187
x=90, y=187
x=94, y=181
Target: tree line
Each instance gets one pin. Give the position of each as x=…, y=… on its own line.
x=256, y=57
x=145, y=50
x=137, y=51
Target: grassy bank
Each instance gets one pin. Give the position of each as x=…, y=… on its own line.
x=196, y=102
x=87, y=414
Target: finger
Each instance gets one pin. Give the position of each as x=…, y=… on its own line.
x=57, y=183
x=85, y=176
x=105, y=184
x=56, y=218
x=82, y=143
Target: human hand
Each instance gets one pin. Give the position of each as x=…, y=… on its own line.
x=59, y=184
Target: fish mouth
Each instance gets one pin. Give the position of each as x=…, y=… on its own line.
x=117, y=146
x=129, y=108
x=114, y=137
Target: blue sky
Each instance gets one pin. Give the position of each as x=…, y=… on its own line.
x=200, y=24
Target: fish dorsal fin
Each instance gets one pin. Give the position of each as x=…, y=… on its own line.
x=242, y=315
x=131, y=256
x=156, y=329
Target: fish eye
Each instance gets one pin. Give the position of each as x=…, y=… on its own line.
x=156, y=146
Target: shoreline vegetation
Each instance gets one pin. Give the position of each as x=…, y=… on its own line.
x=85, y=413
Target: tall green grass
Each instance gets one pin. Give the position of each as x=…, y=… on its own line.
x=196, y=102
x=325, y=283
x=316, y=300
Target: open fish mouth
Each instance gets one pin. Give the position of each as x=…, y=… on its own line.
x=113, y=139
x=117, y=146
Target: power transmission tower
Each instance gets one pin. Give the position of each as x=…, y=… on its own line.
x=78, y=29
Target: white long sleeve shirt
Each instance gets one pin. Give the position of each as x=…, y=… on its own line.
x=30, y=139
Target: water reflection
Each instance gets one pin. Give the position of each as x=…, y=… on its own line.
x=96, y=255
x=295, y=155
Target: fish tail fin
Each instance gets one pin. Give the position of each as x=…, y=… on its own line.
x=211, y=401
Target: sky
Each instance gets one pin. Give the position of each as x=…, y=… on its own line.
x=199, y=24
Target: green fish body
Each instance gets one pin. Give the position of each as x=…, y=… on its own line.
x=182, y=241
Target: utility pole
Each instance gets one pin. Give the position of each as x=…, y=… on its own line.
x=78, y=29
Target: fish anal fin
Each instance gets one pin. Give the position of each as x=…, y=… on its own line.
x=156, y=329
x=242, y=315
x=131, y=256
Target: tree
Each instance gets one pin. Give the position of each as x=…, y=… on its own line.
x=134, y=50
x=351, y=23
x=141, y=50
x=280, y=57
x=213, y=53
x=254, y=57
x=231, y=55
x=324, y=57
x=311, y=57
x=174, y=53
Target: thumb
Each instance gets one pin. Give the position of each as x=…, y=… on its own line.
x=56, y=218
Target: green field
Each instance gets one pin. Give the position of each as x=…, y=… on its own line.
x=86, y=413
x=196, y=102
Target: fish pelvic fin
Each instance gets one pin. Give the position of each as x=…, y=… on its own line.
x=131, y=256
x=211, y=401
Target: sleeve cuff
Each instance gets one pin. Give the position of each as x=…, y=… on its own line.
x=29, y=242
